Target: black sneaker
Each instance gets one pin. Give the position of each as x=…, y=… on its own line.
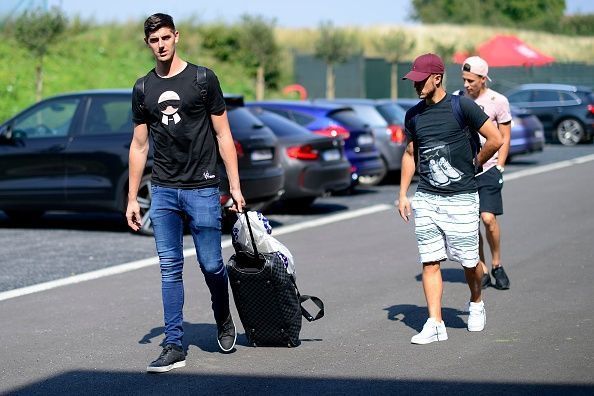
x=485, y=281
x=501, y=279
x=226, y=335
x=171, y=357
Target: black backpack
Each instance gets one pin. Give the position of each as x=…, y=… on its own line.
x=200, y=78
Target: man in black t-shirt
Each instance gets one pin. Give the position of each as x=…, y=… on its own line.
x=188, y=131
x=446, y=203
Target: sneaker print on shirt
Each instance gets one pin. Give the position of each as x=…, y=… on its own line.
x=441, y=172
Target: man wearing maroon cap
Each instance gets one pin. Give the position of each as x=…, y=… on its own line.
x=446, y=203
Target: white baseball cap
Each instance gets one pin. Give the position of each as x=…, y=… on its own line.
x=476, y=65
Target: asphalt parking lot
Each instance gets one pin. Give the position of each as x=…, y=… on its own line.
x=354, y=252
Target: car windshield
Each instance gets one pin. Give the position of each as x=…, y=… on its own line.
x=393, y=113
x=279, y=125
x=241, y=118
x=348, y=118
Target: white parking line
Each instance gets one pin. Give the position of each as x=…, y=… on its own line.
x=549, y=167
x=134, y=265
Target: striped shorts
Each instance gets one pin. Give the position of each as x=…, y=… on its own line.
x=447, y=227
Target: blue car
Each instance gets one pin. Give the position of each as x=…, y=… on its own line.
x=527, y=132
x=336, y=120
x=385, y=118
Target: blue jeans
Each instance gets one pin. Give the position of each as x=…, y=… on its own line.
x=202, y=210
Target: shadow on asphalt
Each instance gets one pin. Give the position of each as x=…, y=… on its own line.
x=200, y=335
x=82, y=382
x=414, y=316
x=516, y=161
x=452, y=275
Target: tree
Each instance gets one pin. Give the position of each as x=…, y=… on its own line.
x=37, y=30
x=394, y=46
x=258, y=48
x=221, y=40
x=444, y=50
x=532, y=14
x=334, y=46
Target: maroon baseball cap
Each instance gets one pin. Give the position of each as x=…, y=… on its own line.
x=424, y=66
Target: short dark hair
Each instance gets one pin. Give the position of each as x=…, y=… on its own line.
x=156, y=22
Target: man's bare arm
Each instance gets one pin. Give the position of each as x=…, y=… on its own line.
x=406, y=174
x=493, y=143
x=139, y=148
x=229, y=156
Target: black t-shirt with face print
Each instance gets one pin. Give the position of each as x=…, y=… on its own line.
x=445, y=155
x=184, y=141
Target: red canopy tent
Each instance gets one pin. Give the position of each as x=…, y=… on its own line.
x=501, y=51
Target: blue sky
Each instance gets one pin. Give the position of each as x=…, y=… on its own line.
x=296, y=13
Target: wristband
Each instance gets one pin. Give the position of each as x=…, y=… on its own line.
x=500, y=168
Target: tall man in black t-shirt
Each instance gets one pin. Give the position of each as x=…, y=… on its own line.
x=446, y=203
x=188, y=131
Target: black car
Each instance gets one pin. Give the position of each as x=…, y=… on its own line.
x=70, y=152
x=566, y=111
x=313, y=164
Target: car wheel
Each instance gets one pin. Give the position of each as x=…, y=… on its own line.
x=144, y=200
x=570, y=132
x=374, y=180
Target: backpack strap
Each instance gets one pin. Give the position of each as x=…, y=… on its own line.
x=473, y=137
x=139, y=90
x=202, y=83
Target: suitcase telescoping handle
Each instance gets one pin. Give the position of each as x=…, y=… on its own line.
x=247, y=220
x=246, y=260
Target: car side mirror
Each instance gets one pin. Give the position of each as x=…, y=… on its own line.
x=8, y=136
x=5, y=134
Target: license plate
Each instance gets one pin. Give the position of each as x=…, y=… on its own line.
x=261, y=155
x=538, y=133
x=331, y=155
x=365, y=140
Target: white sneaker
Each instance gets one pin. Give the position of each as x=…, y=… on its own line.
x=477, y=317
x=432, y=331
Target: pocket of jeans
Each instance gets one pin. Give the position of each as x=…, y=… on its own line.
x=207, y=192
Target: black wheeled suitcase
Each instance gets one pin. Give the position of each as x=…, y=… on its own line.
x=267, y=298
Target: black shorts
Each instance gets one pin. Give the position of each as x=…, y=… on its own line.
x=490, y=184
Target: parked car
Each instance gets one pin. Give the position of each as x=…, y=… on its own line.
x=70, y=152
x=386, y=120
x=336, y=120
x=313, y=164
x=527, y=134
x=566, y=111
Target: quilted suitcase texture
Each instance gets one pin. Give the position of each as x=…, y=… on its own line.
x=267, y=301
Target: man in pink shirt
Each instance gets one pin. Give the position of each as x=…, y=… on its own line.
x=490, y=182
